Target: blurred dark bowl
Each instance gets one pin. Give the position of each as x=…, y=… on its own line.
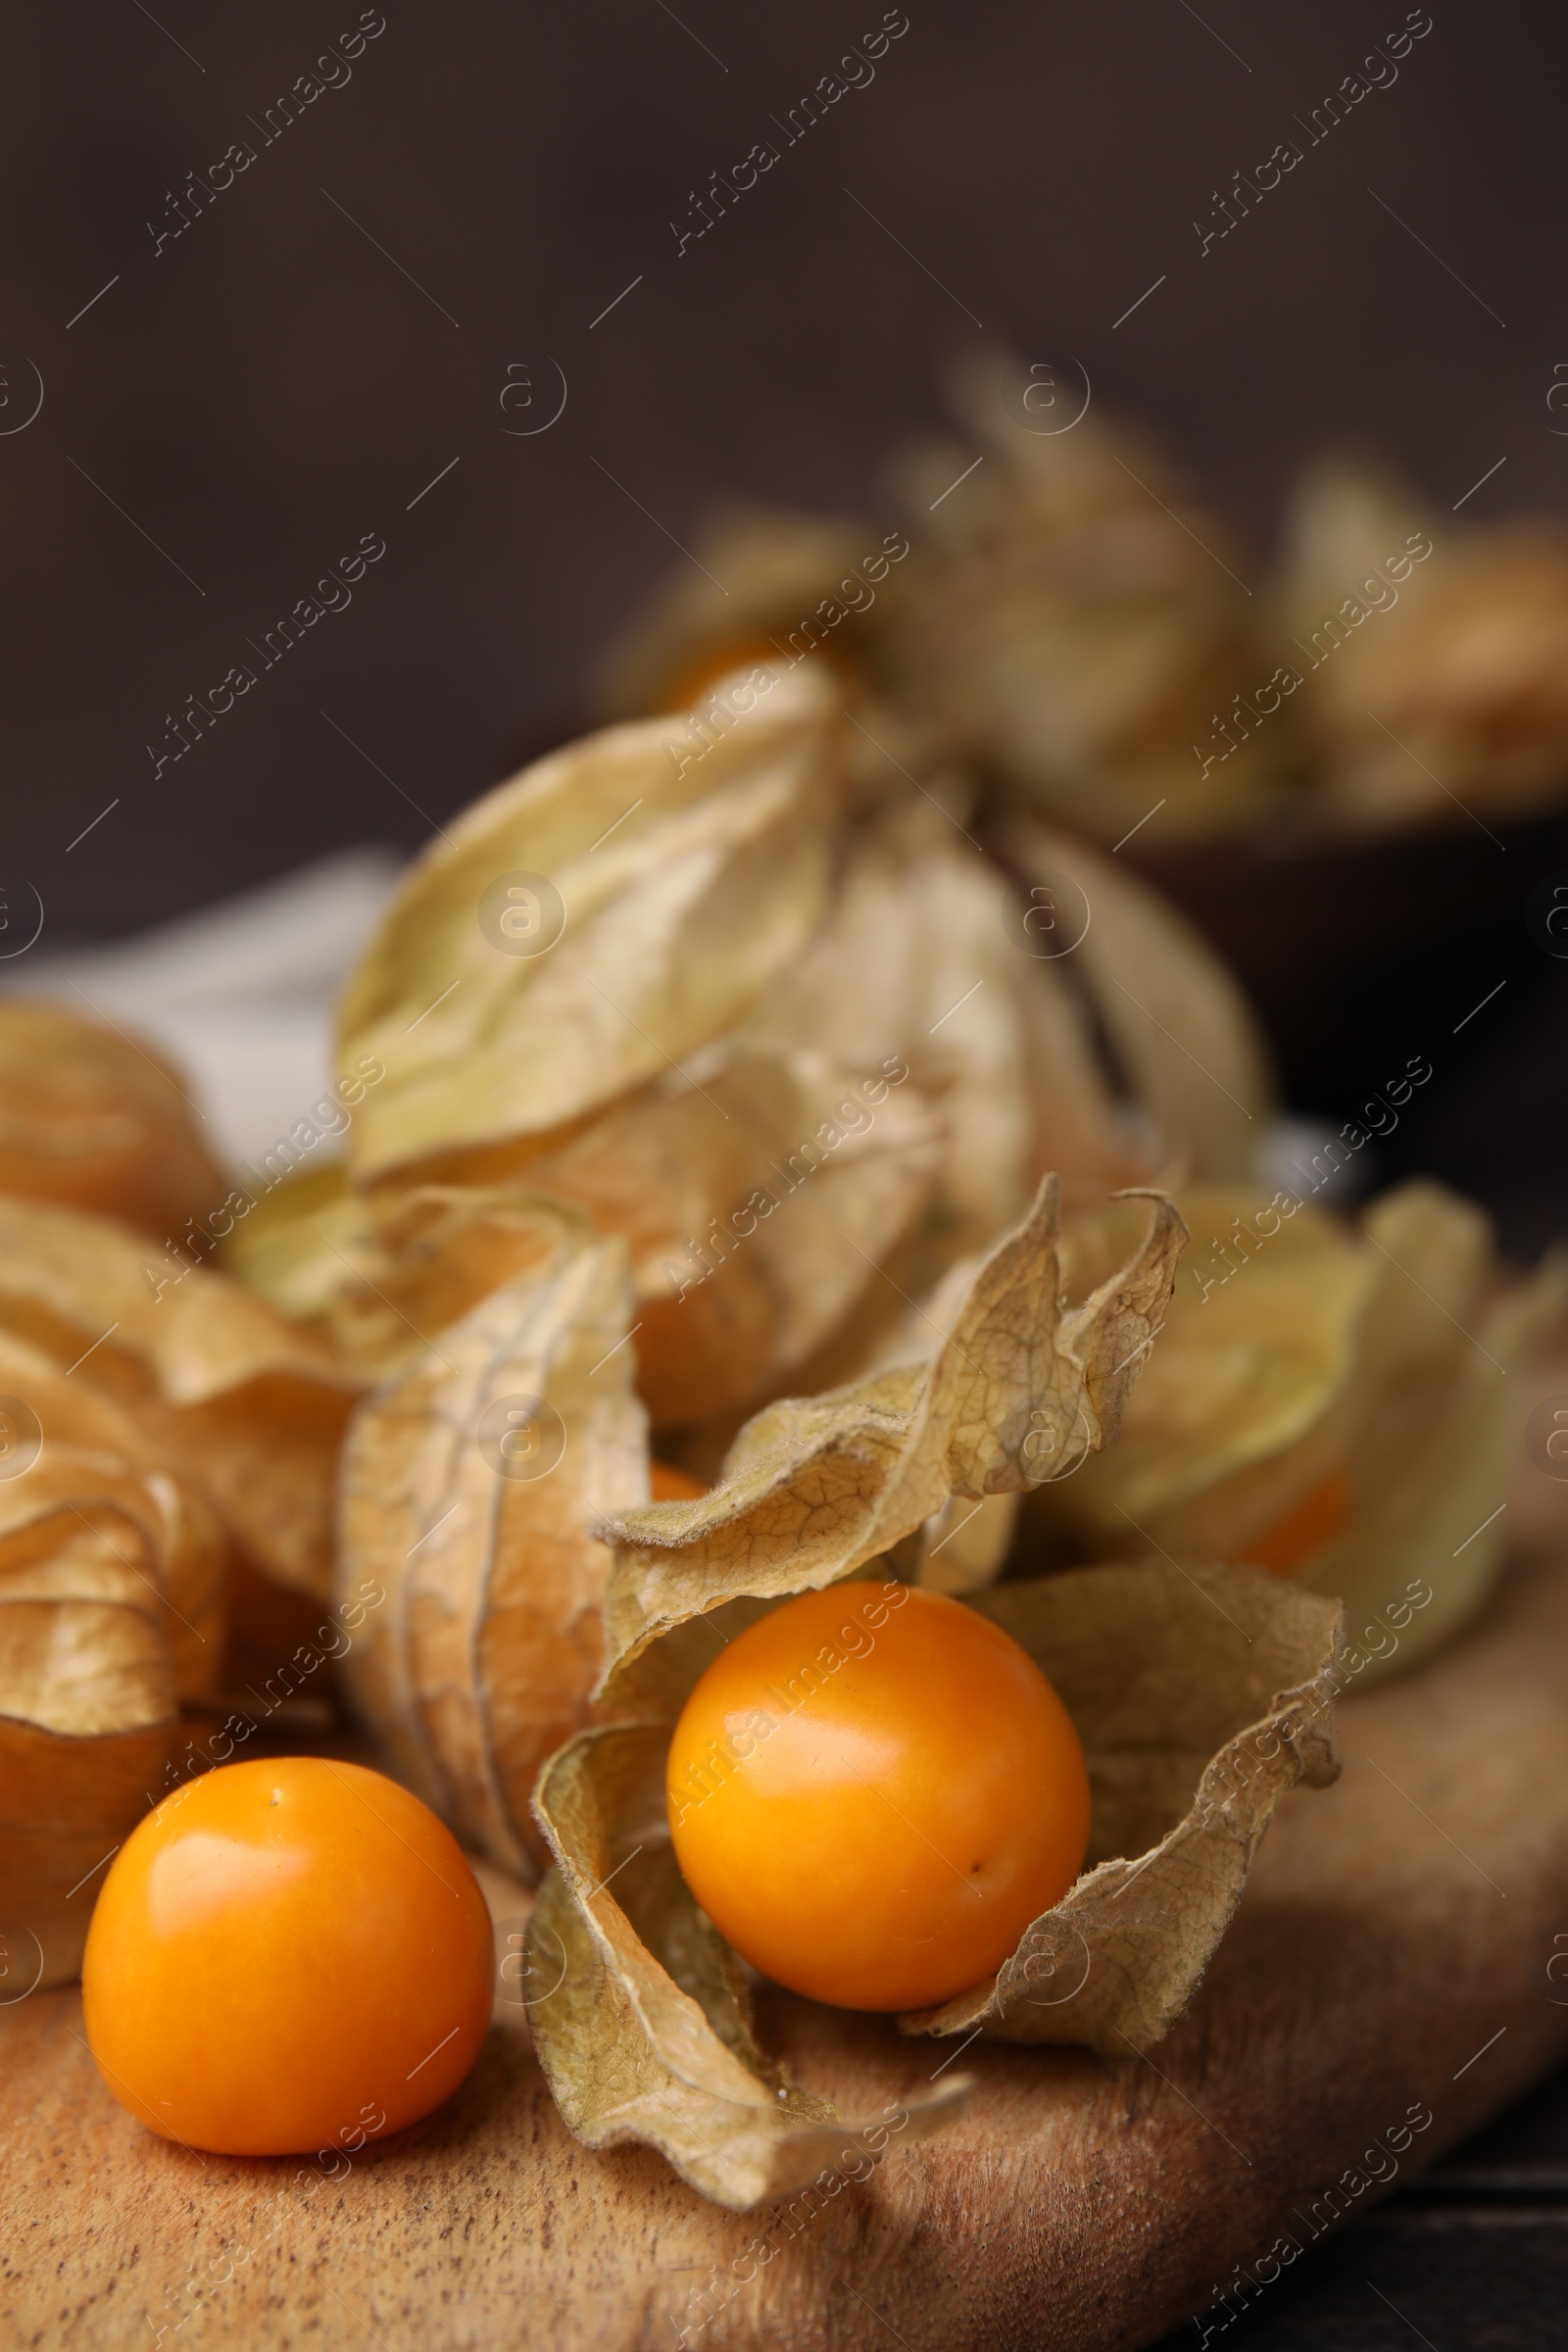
x=1357, y=954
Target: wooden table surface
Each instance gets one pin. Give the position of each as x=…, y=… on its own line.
x=1392, y=1953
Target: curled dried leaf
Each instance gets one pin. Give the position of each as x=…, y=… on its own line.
x=94, y=1120
x=1200, y=1695
x=1016, y=1388
x=658, y=888
x=639, y=2009
x=245, y=1407
x=470, y=1479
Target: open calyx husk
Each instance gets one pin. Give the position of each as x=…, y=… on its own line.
x=1200, y=1695
x=1337, y=1402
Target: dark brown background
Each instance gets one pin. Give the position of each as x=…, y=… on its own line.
x=271, y=386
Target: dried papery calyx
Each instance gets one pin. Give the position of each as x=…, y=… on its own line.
x=93, y=1119
x=612, y=909
x=470, y=1480
x=245, y=1407
x=1337, y=1402
x=110, y=1620
x=1199, y=1697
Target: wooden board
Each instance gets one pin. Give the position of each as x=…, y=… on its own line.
x=1392, y=1952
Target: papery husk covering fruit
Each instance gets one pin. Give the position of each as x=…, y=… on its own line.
x=779, y=587
x=246, y=1408
x=111, y=1616
x=96, y=1120
x=684, y=889
x=1433, y=653
x=759, y=1002
x=1339, y=1402
x=484, y=1654
x=1079, y=622
x=1200, y=1694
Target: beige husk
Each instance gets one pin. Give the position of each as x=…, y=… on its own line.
x=98, y=1120
x=639, y=2008
x=683, y=890
x=483, y=1655
x=1299, y=1349
x=110, y=1615
x=815, y=1487
x=1200, y=1695
x=1188, y=1038
x=244, y=1407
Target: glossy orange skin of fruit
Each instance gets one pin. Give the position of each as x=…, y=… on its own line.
x=287, y=1957
x=872, y=1792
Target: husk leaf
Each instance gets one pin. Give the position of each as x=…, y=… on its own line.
x=1078, y=620
x=918, y=960
x=247, y=1409
x=1015, y=1387
x=111, y=1614
x=1184, y=1032
x=639, y=2010
x=482, y=1657
x=94, y=1120
x=687, y=884
x=1200, y=1695
x=1382, y=1361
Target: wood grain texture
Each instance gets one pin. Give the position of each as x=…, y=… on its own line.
x=1396, y=1925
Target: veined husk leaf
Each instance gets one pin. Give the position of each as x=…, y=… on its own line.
x=687, y=884
x=917, y=961
x=1342, y=1405
x=1016, y=1384
x=1245, y=1366
x=1200, y=1694
x=1184, y=1032
x=639, y=2009
x=758, y=1192
x=758, y=1196
x=485, y=1652
x=111, y=1614
x=91, y=1121
x=1437, y=1424
x=245, y=1407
